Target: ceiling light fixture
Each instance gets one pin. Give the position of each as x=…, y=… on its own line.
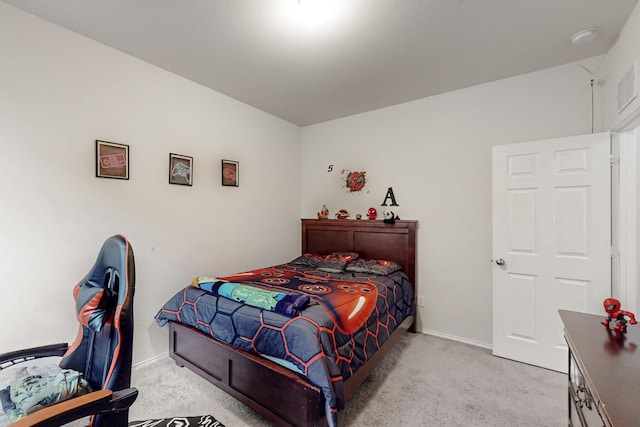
x=314, y=12
x=584, y=36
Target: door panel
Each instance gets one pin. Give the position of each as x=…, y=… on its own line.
x=522, y=287
x=571, y=217
x=552, y=226
x=521, y=218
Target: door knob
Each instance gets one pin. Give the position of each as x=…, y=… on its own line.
x=500, y=261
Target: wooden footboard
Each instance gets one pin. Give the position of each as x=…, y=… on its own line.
x=276, y=393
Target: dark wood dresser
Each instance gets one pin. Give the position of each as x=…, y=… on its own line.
x=604, y=373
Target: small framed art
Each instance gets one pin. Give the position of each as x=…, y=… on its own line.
x=180, y=169
x=230, y=173
x=112, y=160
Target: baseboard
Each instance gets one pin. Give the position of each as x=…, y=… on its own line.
x=150, y=361
x=459, y=339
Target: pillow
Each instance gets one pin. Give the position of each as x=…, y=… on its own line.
x=380, y=267
x=351, y=255
x=93, y=305
x=310, y=260
x=333, y=263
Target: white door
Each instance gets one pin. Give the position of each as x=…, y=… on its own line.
x=551, y=242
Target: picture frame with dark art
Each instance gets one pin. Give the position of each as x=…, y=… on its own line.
x=230, y=173
x=180, y=169
x=112, y=160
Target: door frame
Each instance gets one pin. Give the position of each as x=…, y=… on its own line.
x=627, y=136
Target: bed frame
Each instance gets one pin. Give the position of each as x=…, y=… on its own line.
x=276, y=393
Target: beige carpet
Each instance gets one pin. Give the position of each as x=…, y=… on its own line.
x=424, y=381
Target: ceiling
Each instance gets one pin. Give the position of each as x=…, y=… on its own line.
x=370, y=54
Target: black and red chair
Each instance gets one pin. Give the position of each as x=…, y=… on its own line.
x=102, y=351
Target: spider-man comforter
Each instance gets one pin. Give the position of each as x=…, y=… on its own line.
x=350, y=316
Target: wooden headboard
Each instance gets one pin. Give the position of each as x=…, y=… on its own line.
x=371, y=239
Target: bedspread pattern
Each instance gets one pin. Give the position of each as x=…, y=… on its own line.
x=312, y=341
x=348, y=303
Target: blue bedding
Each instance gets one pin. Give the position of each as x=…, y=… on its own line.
x=349, y=316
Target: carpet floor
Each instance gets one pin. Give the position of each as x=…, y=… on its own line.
x=423, y=381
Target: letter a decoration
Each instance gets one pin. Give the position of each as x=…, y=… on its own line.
x=389, y=196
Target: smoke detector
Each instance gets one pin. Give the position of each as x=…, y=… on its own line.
x=584, y=36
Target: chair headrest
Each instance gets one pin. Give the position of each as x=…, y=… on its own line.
x=105, y=286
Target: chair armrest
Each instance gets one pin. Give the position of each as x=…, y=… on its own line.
x=97, y=402
x=19, y=356
x=123, y=399
x=67, y=411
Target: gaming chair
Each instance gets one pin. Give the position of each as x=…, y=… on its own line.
x=103, y=347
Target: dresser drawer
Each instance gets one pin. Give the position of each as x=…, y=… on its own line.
x=584, y=411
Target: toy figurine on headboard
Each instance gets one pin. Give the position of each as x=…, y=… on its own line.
x=612, y=307
x=372, y=213
x=324, y=213
x=389, y=217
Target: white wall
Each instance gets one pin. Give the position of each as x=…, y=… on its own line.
x=59, y=92
x=436, y=154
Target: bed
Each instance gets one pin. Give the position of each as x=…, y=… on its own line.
x=288, y=388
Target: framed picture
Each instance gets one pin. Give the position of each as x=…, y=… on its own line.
x=230, y=173
x=112, y=160
x=180, y=169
